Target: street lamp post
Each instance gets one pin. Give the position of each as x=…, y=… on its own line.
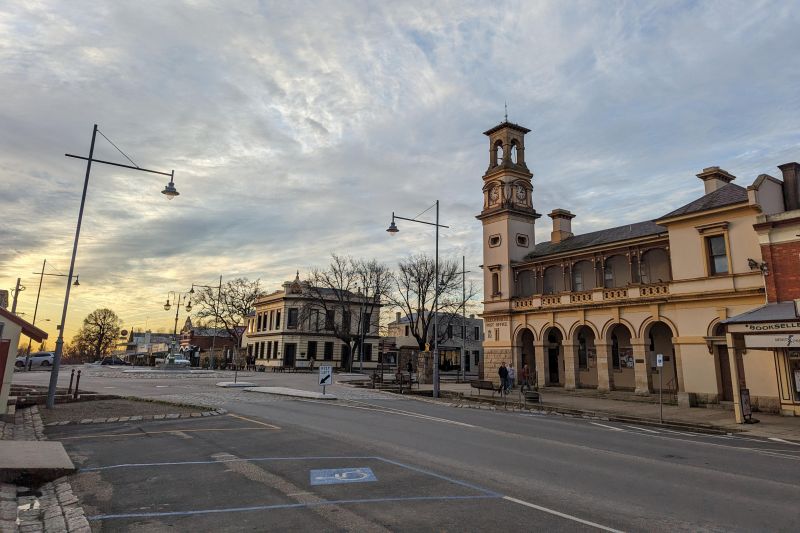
x=392, y=231
x=169, y=191
x=177, y=298
x=463, y=273
x=216, y=314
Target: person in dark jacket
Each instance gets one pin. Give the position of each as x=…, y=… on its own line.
x=503, y=373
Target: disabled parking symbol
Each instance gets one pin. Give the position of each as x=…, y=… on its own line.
x=342, y=475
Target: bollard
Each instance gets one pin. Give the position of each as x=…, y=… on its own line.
x=77, y=382
x=30, y=364
x=71, y=377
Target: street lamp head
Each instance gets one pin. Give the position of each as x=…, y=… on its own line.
x=170, y=191
x=191, y=291
x=167, y=305
x=189, y=307
x=392, y=227
x=77, y=283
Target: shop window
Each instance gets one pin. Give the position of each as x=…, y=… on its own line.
x=717, y=255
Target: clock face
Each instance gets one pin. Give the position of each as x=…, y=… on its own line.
x=521, y=195
x=494, y=194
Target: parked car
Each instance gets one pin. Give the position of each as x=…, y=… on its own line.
x=114, y=361
x=37, y=359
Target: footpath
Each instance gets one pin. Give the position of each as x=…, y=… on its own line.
x=52, y=507
x=585, y=404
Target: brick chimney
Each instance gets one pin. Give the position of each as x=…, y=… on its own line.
x=562, y=225
x=791, y=188
x=715, y=178
x=397, y=316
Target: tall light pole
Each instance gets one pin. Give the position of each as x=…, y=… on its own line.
x=392, y=231
x=216, y=314
x=463, y=273
x=177, y=298
x=169, y=191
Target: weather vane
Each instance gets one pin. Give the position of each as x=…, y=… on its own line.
x=506, y=105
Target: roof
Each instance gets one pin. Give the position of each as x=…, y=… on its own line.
x=774, y=312
x=507, y=124
x=27, y=329
x=726, y=195
x=404, y=319
x=596, y=238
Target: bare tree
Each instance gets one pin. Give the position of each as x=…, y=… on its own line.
x=414, y=293
x=98, y=334
x=346, y=295
x=236, y=300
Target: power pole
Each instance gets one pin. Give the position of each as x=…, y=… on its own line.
x=17, y=290
x=463, y=273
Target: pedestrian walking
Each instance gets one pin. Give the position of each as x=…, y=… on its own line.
x=512, y=375
x=526, y=377
x=503, y=373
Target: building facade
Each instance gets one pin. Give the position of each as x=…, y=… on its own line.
x=290, y=328
x=595, y=310
x=458, y=335
x=770, y=334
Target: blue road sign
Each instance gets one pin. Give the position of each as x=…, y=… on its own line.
x=342, y=475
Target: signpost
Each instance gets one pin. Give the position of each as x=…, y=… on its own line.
x=660, y=365
x=325, y=376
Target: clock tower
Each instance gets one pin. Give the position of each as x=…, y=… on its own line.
x=508, y=221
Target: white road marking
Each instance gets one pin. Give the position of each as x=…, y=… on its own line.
x=642, y=429
x=562, y=515
x=390, y=410
x=684, y=433
x=776, y=439
x=608, y=427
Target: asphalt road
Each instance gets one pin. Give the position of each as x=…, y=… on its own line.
x=435, y=467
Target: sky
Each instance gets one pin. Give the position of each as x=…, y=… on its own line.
x=296, y=128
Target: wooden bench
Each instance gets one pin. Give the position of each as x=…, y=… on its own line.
x=481, y=384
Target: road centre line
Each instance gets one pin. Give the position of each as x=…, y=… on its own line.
x=390, y=410
x=144, y=433
x=605, y=426
x=289, y=506
x=776, y=439
x=271, y=426
x=562, y=515
x=642, y=429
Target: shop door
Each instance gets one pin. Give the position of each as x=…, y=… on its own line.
x=725, y=374
x=289, y=354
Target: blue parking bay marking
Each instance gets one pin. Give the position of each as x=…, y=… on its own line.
x=342, y=475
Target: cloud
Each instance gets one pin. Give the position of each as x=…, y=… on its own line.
x=296, y=129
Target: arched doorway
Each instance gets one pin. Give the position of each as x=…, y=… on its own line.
x=555, y=357
x=527, y=353
x=622, y=362
x=659, y=336
x=586, y=355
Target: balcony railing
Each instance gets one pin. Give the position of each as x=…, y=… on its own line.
x=599, y=295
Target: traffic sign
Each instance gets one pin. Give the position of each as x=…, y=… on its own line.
x=659, y=360
x=325, y=376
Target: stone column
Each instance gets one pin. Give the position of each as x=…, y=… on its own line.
x=605, y=367
x=737, y=386
x=644, y=380
x=540, y=348
x=570, y=366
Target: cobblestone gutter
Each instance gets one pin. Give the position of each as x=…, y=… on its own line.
x=51, y=508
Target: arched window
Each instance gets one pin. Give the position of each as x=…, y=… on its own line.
x=655, y=266
x=525, y=283
x=553, y=280
x=495, y=284
x=514, y=152
x=583, y=277
x=617, y=272
x=498, y=153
